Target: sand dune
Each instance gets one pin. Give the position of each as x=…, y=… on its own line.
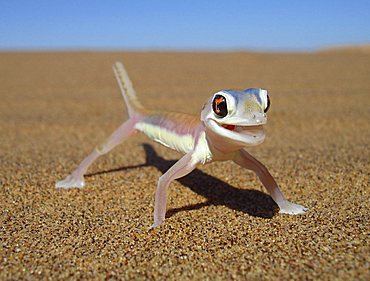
x=221, y=225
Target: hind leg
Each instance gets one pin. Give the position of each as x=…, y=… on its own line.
x=76, y=178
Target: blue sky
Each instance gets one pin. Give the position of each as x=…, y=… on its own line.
x=215, y=25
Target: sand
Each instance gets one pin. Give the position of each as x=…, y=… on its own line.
x=221, y=224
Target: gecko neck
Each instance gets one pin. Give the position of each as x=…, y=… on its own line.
x=220, y=145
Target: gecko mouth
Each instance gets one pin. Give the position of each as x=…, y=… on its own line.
x=247, y=130
x=241, y=129
x=247, y=134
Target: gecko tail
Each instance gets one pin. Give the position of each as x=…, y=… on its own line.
x=132, y=103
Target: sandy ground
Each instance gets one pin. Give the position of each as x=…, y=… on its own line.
x=221, y=225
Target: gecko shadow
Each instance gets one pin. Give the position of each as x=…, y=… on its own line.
x=217, y=192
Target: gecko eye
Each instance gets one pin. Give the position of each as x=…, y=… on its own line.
x=268, y=104
x=219, y=106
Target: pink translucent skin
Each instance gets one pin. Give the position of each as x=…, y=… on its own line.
x=76, y=179
x=244, y=159
x=200, y=141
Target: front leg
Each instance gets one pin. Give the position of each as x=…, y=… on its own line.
x=244, y=159
x=181, y=168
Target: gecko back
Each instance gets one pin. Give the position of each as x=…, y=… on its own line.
x=174, y=130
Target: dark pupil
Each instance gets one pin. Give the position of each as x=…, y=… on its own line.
x=219, y=106
x=268, y=104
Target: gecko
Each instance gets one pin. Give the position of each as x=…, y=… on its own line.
x=229, y=123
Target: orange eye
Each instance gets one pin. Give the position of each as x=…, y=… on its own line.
x=219, y=106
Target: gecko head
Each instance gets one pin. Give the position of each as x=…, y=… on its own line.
x=237, y=116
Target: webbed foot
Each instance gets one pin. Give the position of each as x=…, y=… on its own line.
x=70, y=182
x=291, y=208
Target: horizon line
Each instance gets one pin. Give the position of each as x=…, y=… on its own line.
x=184, y=50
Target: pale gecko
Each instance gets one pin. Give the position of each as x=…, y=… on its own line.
x=230, y=122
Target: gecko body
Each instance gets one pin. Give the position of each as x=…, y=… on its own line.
x=230, y=121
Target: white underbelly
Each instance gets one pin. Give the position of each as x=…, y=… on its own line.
x=180, y=142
